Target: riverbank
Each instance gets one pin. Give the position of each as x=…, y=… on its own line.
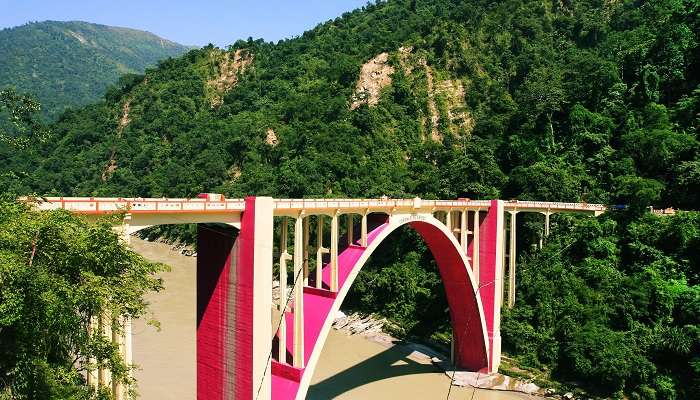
x=351, y=366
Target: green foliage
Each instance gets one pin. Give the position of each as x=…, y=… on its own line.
x=68, y=64
x=23, y=127
x=402, y=282
x=622, y=314
x=57, y=272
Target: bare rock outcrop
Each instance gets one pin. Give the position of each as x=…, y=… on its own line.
x=271, y=137
x=435, y=134
x=124, y=121
x=452, y=93
x=375, y=75
x=229, y=66
x=461, y=121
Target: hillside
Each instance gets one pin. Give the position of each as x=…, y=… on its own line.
x=71, y=63
x=595, y=101
x=524, y=100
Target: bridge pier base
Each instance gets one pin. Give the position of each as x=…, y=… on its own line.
x=233, y=315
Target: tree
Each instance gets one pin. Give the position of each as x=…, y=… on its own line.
x=57, y=274
x=543, y=91
x=20, y=124
x=637, y=192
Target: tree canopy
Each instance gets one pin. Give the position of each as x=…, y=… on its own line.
x=58, y=274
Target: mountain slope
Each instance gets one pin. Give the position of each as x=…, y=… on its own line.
x=71, y=63
x=577, y=102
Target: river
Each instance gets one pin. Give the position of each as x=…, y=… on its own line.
x=350, y=367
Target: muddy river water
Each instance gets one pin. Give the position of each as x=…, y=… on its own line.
x=351, y=367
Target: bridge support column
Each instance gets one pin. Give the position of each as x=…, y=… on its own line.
x=234, y=286
x=351, y=229
x=363, y=233
x=334, y=252
x=282, y=308
x=463, y=230
x=320, y=251
x=511, y=260
x=490, y=250
x=104, y=375
x=298, y=349
x=120, y=390
x=92, y=373
x=306, y=251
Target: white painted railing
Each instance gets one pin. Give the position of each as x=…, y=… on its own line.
x=104, y=205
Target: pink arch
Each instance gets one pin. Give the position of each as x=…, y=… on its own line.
x=462, y=295
x=320, y=306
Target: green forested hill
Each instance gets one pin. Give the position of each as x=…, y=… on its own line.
x=71, y=63
x=592, y=101
x=588, y=100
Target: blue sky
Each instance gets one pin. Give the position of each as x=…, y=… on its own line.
x=221, y=22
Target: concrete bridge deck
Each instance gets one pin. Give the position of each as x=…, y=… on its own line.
x=106, y=205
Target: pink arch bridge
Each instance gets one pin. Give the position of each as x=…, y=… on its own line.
x=253, y=345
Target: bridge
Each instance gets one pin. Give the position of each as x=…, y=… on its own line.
x=252, y=344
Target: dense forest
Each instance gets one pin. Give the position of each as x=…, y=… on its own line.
x=69, y=64
x=591, y=100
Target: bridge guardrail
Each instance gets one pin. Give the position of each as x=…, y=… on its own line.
x=104, y=205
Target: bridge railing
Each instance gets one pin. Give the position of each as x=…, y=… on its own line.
x=381, y=204
x=106, y=205
x=553, y=206
x=103, y=205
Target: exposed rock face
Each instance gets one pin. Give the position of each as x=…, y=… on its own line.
x=124, y=120
x=229, y=66
x=234, y=173
x=78, y=36
x=271, y=138
x=493, y=381
x=404, y=59
x=375, y=75
x=435, y=134
x=446, y=97
x=121, y=125
x=461, y=122
x=367, y=326
x=451, y=92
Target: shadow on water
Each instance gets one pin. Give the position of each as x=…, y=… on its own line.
x=390, y=363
